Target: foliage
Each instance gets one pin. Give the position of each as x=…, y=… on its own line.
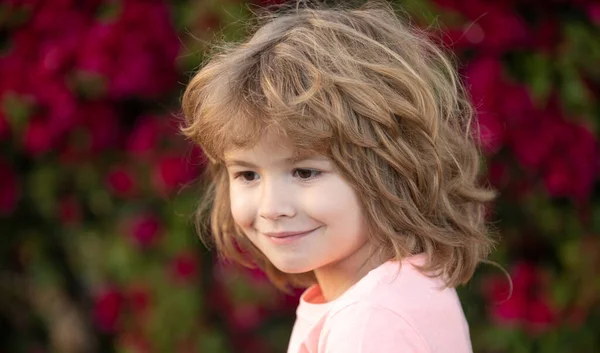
x=96, y=194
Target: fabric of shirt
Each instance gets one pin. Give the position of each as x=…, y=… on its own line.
x=394, y=308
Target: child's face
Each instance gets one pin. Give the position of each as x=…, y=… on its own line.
x=302, y=215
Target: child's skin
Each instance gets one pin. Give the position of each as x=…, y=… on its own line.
x=271, y=193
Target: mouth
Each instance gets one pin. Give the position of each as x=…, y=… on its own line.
x=288, y=237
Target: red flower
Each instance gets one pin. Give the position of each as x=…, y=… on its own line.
x=145, y=229
x=184, y=268
x=101, y=123
x=529, y=304
x=573, y=169
x=494, y=27
x=534, y=144
x=484, y=77
x=120, y=181
x=136, y=53
x=172, y=172
x=39, y=137
x=593, y=11
x=503, y=30
x=144, y=137
x=516, y=107
x=107, y=309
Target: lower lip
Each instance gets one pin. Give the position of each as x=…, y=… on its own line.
x=290, y=239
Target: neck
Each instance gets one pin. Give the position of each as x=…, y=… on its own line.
x=336, y=278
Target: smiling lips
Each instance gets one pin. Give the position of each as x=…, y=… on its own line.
x=287, y=237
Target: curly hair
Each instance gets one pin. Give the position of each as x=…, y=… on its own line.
x=376, y=96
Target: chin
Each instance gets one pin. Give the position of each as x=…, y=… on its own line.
x=292, y=267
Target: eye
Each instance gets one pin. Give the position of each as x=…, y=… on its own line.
x=246, y=176
x=306, y=174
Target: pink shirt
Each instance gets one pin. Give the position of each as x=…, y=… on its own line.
x=388, y=310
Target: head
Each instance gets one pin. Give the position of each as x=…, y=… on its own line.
x=368, y=101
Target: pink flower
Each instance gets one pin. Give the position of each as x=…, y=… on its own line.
x=491, y=132
x=184, y=268
x=145, y=136
x=533, y=144
x=503, y=30
x=39, y=137
x=541, y=315
x=172, y=172
x=101, y=123
x=528, y=306
x=557, y=177
x=9, y=188
x=107, y=309
x=574, y=167
x=145, y=229
x=593, y=11
x=136, y=52
x=58, y=104
x=14, y=64
x=494, y=27
x=120, y=182
x=516, y=106
x=484, y=78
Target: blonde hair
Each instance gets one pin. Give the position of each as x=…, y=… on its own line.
x=377, y=97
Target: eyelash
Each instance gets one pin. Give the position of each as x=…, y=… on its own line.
x=315, y=174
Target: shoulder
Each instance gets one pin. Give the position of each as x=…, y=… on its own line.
x=400, y=308
x=406, y=291
x=363, y=326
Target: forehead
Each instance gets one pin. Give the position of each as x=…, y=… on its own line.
x=271, y=148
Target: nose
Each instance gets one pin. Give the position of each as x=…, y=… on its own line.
x=276, y=200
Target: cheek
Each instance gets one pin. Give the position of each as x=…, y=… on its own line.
x=336, y=204
x=242, y=209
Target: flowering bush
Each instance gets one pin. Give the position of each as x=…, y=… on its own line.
x=96, y=194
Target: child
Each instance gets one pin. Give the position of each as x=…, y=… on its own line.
x=341, y=159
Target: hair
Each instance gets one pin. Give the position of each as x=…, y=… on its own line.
x=375, y=95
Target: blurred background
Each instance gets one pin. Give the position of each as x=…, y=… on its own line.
x=97, y=249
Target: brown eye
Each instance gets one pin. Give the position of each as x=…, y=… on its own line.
x=247, y=176
x=306, y=174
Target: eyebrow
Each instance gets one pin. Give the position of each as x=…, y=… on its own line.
x=290, y=160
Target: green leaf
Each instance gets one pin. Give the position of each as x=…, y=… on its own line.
x=213, y=341
x=119, y=259
x=596, y=219
x=574, y=92
x=43, y=184
x=89, y=85
x=18, y=110
x=562, y=292
x=570, y=256
x=549, y=218
x=539, y=75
